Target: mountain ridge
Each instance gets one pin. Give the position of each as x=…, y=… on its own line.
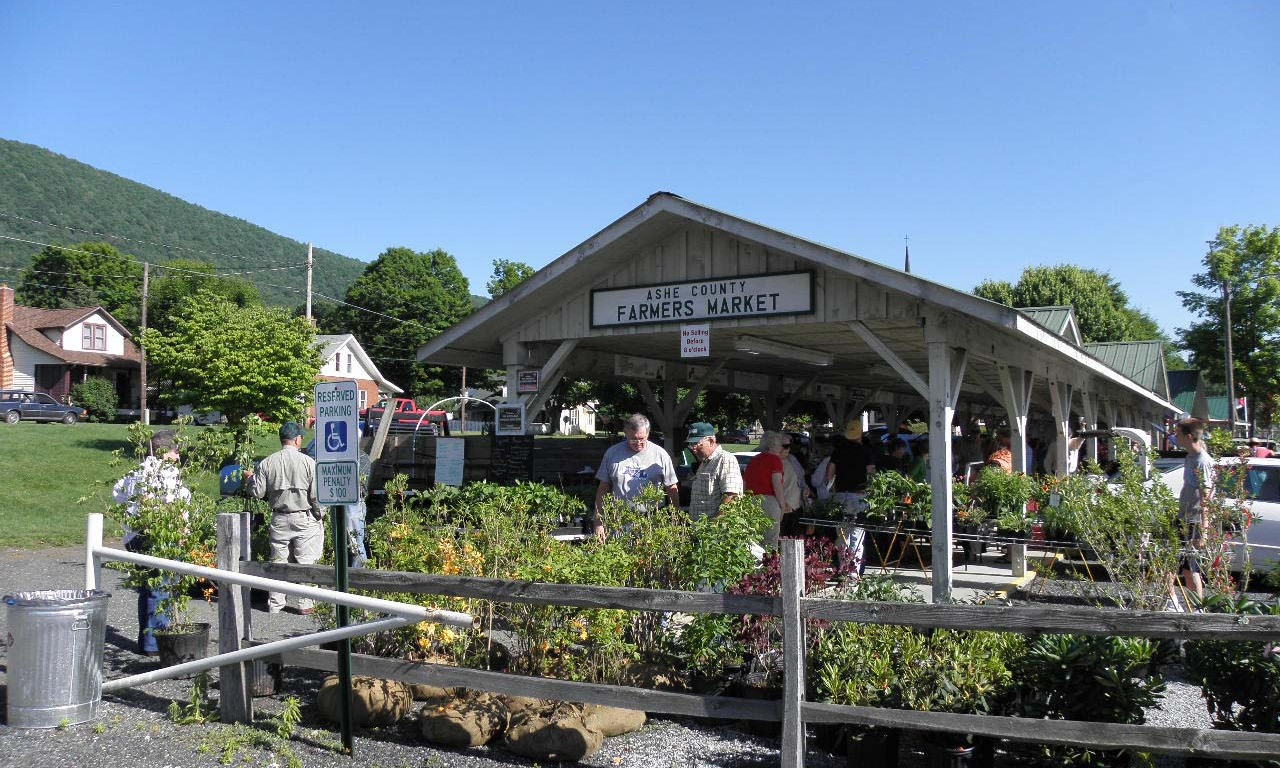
x=47, y=197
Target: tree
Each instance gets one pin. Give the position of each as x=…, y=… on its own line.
x=1102, y=307
x=237, y=360
x=84, y=275
x=174, y=281
x=1238, y=257
x=507, y=275
x=415, y=296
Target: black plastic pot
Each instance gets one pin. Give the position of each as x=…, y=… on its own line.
x=266, y=675
x=182, y=643
x=956, y=751
x=873, y=748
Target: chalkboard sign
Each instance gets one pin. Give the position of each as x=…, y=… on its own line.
x=512, y=459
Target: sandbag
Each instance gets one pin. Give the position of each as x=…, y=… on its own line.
x=560, y=736
x=612, y=721
x=468, y=722
x=373, y=701
x=423, y=692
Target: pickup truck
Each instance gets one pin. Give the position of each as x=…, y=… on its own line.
x=406, y=415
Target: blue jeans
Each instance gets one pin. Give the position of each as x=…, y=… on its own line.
x=149, y=618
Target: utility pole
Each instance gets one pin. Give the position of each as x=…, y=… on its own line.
x=142, y=378
x=310, y=263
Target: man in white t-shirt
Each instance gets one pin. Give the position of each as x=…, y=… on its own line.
x=631, y=465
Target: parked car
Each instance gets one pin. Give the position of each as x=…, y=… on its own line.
x=406, y=415
x=1262, y=489
x=737, y=436
x=17, y=405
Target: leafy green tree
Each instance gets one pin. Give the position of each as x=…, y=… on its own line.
x=84, y=275
x=174, y=281
x=238, y=360
x=507, y=275
x=1247, y=260
x=1102, y=307
x=416, y=296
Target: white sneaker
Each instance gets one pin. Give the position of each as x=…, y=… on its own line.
x=273, y=609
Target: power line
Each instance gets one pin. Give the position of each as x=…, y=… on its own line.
x=138, y=261
x=120, y=237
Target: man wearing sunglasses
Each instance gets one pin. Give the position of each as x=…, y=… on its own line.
x=631, y=465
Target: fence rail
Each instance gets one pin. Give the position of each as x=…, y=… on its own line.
x=794, y=607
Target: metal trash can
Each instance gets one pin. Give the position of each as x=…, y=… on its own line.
x=54, y=661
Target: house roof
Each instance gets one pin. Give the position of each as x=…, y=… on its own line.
x=1060, y=320
x=1183, y=388
x=29, y=321
x=329, y=344
x=1141, y=361
x=1218, y=408
x=480, y=339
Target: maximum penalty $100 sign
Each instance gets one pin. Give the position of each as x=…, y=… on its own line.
x=337, y=442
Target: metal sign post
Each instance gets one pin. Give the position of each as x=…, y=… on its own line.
x=338, y=483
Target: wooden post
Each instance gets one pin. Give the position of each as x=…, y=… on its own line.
x=93, y=540
x=142, y=364
x=793, y=647
x=1089, y=401
x=235, y=700
x=946, y=371
x=246, y=555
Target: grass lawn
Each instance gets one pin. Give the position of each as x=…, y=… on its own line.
x=54, y=475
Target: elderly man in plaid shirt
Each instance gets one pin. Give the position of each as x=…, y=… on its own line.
x=718, y=478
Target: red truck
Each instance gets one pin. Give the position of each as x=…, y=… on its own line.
x=406, y=415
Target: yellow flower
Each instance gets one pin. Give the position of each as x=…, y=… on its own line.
x=447, y=635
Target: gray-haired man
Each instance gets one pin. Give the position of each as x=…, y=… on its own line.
x=631, y=465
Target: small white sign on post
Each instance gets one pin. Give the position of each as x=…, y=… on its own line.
x=449, y=460
x=337, y=442
x=695, y=340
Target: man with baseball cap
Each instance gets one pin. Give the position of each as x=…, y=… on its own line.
x=718, y=478
x=286, y=479
x=851, y=465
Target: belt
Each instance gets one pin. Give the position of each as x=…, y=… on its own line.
x=291, y=512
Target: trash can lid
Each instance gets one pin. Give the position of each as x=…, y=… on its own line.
x=56, y=597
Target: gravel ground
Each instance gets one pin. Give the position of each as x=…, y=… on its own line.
x=133, y=728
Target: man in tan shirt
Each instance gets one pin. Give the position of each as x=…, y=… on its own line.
x=286, y=479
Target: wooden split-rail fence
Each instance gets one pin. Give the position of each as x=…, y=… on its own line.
x=794, y=608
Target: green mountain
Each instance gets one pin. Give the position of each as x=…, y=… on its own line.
x=37, y=185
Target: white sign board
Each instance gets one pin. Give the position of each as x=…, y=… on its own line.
x=756, y=382
x=695, y=340
x=449, y=460
x=697, y=372
x=337, y=442
x=789, y=293
x=630, y=367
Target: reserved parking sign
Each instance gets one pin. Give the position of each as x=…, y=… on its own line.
x=337, y=443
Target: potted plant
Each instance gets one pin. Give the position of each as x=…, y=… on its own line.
x=1004, y=496
x=164, y=519
x=1240, y=680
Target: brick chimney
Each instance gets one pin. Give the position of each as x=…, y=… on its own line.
x=6, y=317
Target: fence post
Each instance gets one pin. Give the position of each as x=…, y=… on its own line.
x=246, y=555
x=92, y=541
x=235, y=702
x=793, y=647
x=1018, y=559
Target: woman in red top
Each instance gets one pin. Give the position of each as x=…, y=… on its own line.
x=764, y=478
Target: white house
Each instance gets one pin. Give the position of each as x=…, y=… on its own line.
x=345, y=359
x=50, y=350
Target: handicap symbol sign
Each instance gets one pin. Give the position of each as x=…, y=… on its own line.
x=335, y=438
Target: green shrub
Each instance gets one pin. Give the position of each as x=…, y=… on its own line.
x=1004, y=496
x=97, y=396
x=1240, y=680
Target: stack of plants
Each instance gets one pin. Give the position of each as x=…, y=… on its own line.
x=1004, y=496
x=505, y=533
x=1240, y=680
x=892, y=497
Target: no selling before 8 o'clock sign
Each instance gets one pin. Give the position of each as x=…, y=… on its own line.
x=337, y=443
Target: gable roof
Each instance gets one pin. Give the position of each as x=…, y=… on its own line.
x=329, y=344
x=1059, y=320
x=1141, y=361
x=28, y=322
x=479, y=339
x=1184, y=391
x=1218, y=408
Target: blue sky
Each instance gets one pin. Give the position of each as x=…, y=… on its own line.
x=1118, y=136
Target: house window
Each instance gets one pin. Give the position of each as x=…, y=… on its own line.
x=364, y=399
x=93, y=337
x=337, y=362
x=348, y=363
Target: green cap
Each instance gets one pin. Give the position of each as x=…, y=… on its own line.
x=699, y=430
x=290, y=430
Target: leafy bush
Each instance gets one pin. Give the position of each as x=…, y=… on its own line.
x=1240, y=680
x=888, y=493
x=97, y=396
x=1004, y=496
x=505, y=532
